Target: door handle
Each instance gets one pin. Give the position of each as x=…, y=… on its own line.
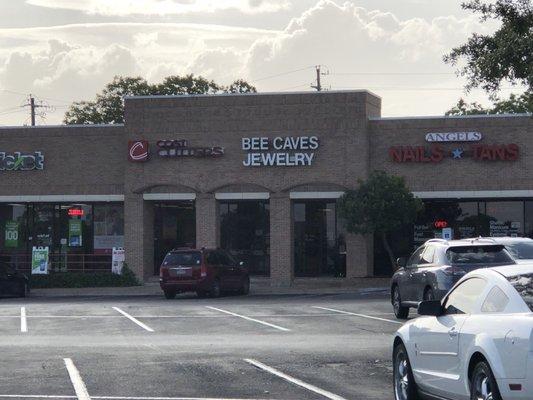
x=453, y=332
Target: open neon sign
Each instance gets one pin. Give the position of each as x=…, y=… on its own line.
x=76, y=212
x=441, y=224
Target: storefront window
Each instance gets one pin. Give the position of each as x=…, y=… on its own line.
x=503, y=218
x=13, y=233
x=108, y=227
x=245, y=233
x=319, y=248
x=174, y=227
x=68, y=230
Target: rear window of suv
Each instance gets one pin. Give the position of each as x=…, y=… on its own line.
x=524, y=286
x=478, y=255
x=521, y=250
x=183, y=258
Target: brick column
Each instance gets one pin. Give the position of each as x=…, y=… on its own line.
x=281, y=240
x=139, y=235
x=359, y=256
x=207, y=221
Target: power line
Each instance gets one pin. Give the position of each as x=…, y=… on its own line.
x=412, y=88
x=34, y=106
x=282, y=74
x=392, y=73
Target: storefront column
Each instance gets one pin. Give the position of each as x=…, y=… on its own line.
x=207, y=221
x=281, y=240
x=359, y=256
x=139, y=235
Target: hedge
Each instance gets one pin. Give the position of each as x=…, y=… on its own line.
x=82, y=280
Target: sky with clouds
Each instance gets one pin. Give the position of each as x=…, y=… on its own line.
x=66, y=50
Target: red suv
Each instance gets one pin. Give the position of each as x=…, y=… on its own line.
x=208, y=272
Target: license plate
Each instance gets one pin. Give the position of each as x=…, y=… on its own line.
x=181, y=271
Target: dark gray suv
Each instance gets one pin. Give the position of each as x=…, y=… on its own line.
x=437, y=265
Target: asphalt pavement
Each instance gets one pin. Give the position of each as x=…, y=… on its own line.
x=291, y=347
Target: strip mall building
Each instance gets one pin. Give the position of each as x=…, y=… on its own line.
x=259, y=175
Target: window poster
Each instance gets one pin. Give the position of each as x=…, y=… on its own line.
x=11, y=234
x=108, y=227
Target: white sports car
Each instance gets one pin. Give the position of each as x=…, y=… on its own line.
x=477, y=343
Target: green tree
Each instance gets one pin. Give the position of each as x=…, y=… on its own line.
x=108, y=107
x=487, y=61
x=514, y=104
x=382, y=204
x=506, y=55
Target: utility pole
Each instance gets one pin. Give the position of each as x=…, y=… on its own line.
x=318, y=85
x=34, y=106
x=319, y=73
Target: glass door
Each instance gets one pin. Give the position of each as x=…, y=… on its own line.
x=174, y=227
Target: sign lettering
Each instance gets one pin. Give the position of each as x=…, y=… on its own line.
x=290, y=151
x=18, y=161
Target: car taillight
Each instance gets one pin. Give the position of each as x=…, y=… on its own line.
x=203, y=271
x=454, y=271
x=163, y=272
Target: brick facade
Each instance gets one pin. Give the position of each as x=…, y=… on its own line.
x=354, y=140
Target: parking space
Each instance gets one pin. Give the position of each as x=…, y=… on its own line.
x=256, y=347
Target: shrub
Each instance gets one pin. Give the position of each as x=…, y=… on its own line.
x=83, y=280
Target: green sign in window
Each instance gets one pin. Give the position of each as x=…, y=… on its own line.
x=12, y=234
x=74, y=233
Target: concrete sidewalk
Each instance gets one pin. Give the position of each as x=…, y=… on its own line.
x=259, y=286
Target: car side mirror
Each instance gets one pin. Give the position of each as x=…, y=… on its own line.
x=430, y=307
x=401, y=262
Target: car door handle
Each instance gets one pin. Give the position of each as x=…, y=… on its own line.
x=453, y=332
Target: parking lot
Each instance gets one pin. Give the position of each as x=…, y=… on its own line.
x=255, y=347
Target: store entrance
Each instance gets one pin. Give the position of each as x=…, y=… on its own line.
x=174, y=227
x=319, y=247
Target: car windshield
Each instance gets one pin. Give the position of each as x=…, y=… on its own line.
x=521, y=250
x=183, y=258
x=524, y=286
x=478, y=255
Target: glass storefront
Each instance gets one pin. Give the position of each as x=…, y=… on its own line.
x=465, y=218
x=80, y=237
x=174, y=227
x=245, y=233
x=319, y=243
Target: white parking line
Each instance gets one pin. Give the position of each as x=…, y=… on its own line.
x=144, y=326
x=25, y=396
x=23, y=321
x=295, y=381
x=77, y=382
x=249, y=319
x=358, y=315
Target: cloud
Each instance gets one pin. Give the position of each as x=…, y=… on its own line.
x=73, y=62
x=162, y=7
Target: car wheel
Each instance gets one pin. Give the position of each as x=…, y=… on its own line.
x=245, y=288
x=215, y=289
x=428, y=294
x=170, y=294
x=400, y=311
x=483, y=386
x=403, y=380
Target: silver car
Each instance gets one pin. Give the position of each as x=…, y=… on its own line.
x=437, y=265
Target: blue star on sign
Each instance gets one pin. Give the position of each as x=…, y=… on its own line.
x=457, y=153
